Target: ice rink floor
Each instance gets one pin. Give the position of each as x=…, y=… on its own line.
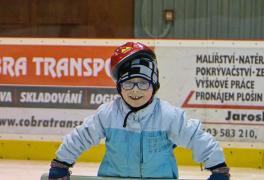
x=31, y=170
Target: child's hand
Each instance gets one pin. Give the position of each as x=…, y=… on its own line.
x=221, y=173
x=59, y=170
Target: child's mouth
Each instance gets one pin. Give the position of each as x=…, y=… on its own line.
x=135, y=97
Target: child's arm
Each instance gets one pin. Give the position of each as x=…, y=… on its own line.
x=79, y=140
x=188, y=133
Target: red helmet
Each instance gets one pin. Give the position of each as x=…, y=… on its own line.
x=126, y=53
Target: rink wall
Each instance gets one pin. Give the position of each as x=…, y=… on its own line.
x=48, y=86
x=37, y=150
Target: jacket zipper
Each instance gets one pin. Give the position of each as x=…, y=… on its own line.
x=141, y=154
x=141, y=151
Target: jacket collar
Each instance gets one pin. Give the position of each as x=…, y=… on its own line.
x=149, y=109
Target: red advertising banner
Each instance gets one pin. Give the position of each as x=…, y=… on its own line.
x=55, y=65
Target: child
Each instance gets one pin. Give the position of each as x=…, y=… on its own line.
x=140, y=130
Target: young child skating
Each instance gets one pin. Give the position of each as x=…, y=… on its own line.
x=140, y=130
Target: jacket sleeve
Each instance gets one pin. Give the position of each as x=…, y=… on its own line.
x=189, y=134
x=82, y=137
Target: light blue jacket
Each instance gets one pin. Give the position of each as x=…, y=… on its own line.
x=145, y=147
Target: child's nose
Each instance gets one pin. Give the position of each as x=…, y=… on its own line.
x=135, y=88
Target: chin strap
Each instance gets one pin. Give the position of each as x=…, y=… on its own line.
x=135, y=109
x=125, y=120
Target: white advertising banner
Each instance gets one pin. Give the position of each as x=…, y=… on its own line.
x=221, y=83
x=47, y=86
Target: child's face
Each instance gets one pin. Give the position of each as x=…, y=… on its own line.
x=136, y=92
